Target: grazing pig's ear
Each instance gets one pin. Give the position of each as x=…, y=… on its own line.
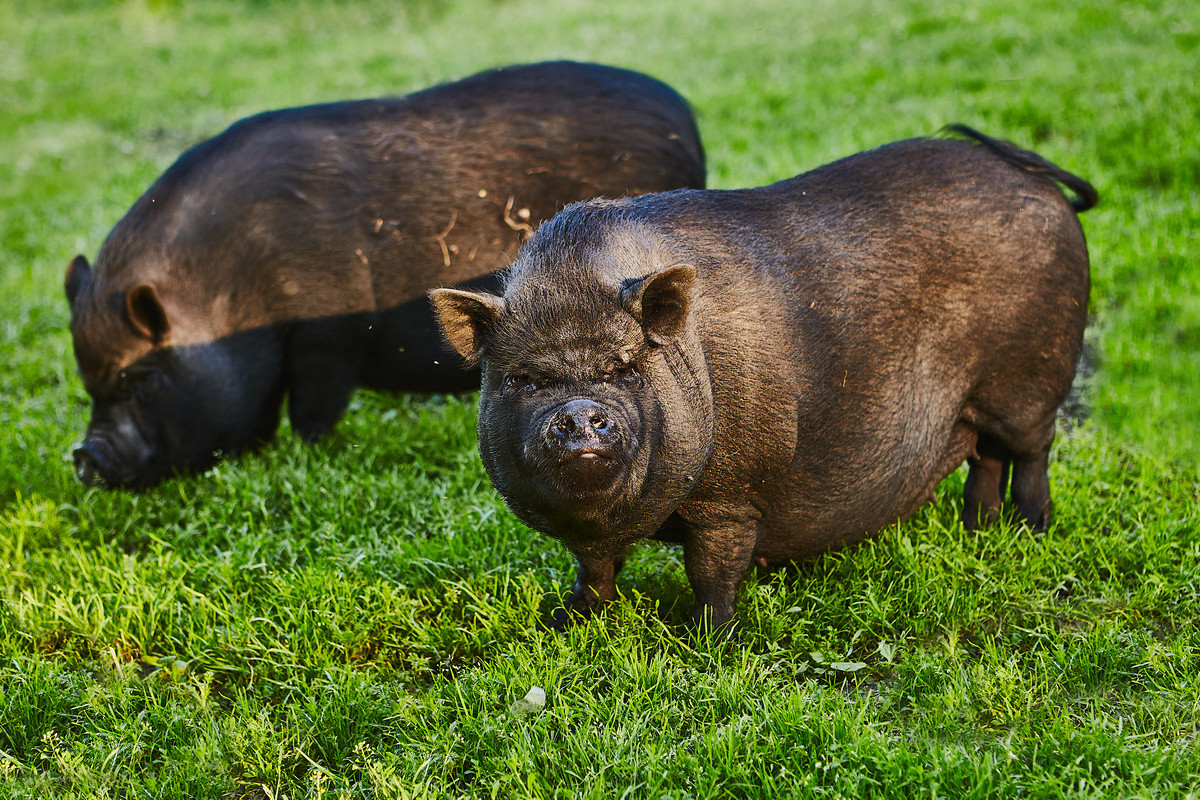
x=146, y=314
x=466, y=319
x=660, y=302
x=79, y=275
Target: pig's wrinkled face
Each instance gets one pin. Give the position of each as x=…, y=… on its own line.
x=173, y=410
x=582, y=366
x=159, y=409
x=572, y=413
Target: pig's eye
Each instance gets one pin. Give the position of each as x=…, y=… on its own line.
x=123, y=383
x=625, y=376
x=129, y=381
x=521, y=384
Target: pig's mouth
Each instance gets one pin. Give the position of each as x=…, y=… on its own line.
x=587, y=455
x=592, y=476
x=580, y=450
x=592, y=473
x=102, y=463
x=97, y=464
x=586, y=462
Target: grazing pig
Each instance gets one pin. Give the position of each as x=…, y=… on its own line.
x=769, y=373
x=291, y=254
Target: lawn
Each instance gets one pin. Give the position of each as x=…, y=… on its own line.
x=361, y=618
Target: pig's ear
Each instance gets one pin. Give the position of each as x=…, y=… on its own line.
x=467, y=318
x=146, y=314
x=660, y=302
x=79, y=275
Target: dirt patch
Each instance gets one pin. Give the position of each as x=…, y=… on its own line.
x=1076, y=409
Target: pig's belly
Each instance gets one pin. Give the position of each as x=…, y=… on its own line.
x=815, y=517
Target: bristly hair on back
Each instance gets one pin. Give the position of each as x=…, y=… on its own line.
x=1086, y=195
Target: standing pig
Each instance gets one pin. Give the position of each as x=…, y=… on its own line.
x=291, y=254
x=769, y=373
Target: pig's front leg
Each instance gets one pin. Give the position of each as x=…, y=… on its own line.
x=323, y=366
x=716, y=557
x=595, y=584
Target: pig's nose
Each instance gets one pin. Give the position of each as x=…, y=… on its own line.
x=579, y=420
x=581, y=428
x=87, y=467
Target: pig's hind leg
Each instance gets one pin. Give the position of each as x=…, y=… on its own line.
x=987, y=483
x=1020, y=450
x=1031, y=480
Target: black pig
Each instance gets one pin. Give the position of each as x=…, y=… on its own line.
x=291, y=254
x=769, y=373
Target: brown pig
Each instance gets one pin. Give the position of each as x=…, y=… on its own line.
x=290, y=255
x=766, y=374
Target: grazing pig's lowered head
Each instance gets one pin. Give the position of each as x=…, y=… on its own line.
x=766, y=374
x=168, y=394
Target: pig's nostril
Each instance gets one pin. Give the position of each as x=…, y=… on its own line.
x=563, y=426
x=87, y=469
x=599, y=422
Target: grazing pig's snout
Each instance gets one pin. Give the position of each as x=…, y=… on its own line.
x=581, y=428
x=87, y=465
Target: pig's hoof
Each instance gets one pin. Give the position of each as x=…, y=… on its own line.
x=311, y=432
x=708, y=625
x=1038, y=520
x=978, y=515
x=568, y=615
x=725, y=632
x=562, y=619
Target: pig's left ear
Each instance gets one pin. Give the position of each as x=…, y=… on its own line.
x=660, y=302
x=467, y=318
x=146, y=314
x=79, y=275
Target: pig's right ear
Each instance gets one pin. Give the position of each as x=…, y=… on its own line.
x=146, y=314
x=466, y=319
x=79, y=275
x=660, y=302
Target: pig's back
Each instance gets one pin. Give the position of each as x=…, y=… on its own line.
x=363, y=205
x=855, y=312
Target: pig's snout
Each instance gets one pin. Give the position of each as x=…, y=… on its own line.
x=89, y=467
x=101, y=462
x=581, y=428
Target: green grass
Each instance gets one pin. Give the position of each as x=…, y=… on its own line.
x=357, y=618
